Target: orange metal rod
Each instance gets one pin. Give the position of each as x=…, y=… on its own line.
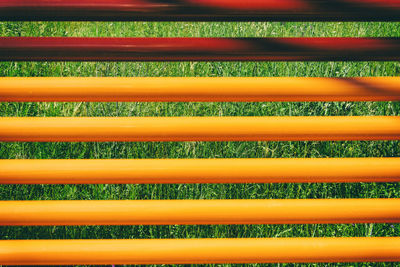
x=80, y=129
x=199, y=251
x=170, y=212
x=183, y=89
x=145, y=171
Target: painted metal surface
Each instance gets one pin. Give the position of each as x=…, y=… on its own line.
x=152, y=171
x=191, y=89
x=198, y=49
x=290, y=128
x=201, y=10
x=192, y=212
x=199, y=251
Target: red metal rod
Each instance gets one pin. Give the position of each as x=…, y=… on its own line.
x=198, y=49
x=201, y=10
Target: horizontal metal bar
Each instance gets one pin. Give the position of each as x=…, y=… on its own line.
x=184, y=89
x=121, y=129
x=199, y=251
x=201, y=10
x=198, y=49
x=152, y=171
x=170, y=212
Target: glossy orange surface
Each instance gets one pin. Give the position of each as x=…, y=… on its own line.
x=142, y=171
x=199, y=89
x=87, y=129
x=170, y=212
x=199, y=251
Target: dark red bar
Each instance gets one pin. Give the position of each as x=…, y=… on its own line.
x=201, y=10
x=199, y=49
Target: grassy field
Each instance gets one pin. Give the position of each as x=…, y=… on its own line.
x=200, y=149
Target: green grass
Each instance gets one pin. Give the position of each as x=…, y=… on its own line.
x=200, y=149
